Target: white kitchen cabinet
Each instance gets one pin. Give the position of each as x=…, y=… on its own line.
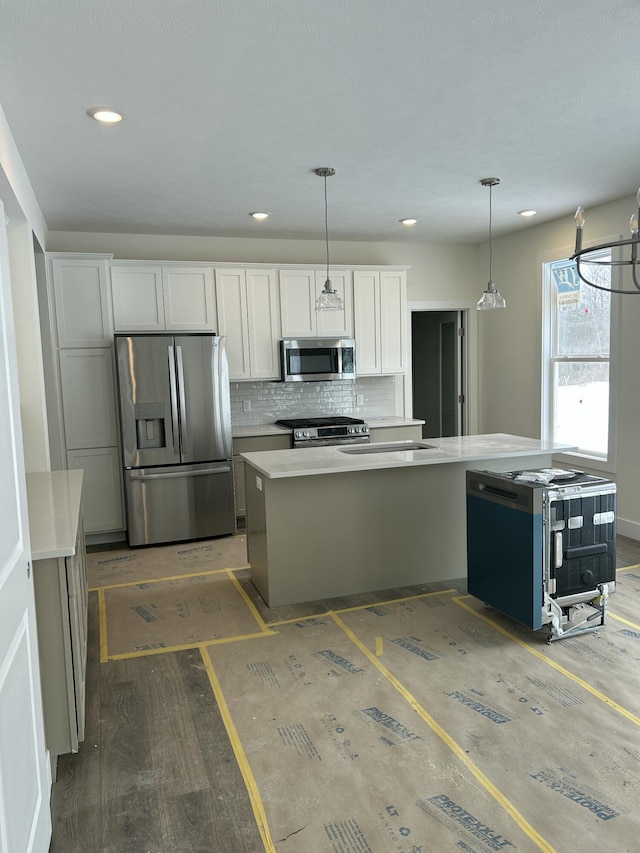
x=299, y=290
x=60, y=591
x=189, y=299
x=138, y=303
x=380, y=319
x=88, y=398
x=249, y=315
x=163, y=298
x=91, y=434
x=102, y=487
x=81, y=290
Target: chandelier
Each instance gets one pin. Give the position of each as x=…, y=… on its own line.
x=329, y=299
x=619, y=257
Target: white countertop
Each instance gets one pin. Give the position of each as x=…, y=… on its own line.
x=54, y=499
x=308, y=461
x=274, y=429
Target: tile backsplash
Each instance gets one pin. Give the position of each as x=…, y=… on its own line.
x=265, y=402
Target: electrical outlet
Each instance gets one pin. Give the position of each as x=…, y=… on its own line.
x=246, y=405
x=360, y=399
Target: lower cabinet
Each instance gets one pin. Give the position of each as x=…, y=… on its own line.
x=252, y=444
x=102, y=487
x=398, y=433
x=60, y=588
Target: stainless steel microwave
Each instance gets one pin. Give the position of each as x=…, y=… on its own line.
x=317, y=359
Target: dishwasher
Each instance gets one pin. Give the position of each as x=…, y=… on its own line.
x=541, y=547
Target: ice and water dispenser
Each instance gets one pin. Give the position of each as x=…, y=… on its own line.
x=150, y=425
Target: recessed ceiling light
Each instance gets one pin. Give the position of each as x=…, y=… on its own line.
x=408, y=221
x=258, y=215
x=527, y=212
x=105, y=115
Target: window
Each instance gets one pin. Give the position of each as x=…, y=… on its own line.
x=577, y=387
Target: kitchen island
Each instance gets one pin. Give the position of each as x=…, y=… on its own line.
x=330, y=521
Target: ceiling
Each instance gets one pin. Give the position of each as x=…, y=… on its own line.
x=229, y=106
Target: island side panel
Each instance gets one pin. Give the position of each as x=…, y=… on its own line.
x=329, y=535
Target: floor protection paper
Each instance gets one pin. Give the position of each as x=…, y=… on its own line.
x=183, y=611
x=566, y=759
x=625, y=601
x=105, y=568
x=342, y=762
x=607, y=659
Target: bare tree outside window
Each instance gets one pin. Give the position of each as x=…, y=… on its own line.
x=579, y=354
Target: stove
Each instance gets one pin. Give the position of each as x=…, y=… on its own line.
x=318, y=432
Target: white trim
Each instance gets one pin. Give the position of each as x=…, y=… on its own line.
x=137, y=262
x=628, y=528
x=608, y=465
x=470, y=366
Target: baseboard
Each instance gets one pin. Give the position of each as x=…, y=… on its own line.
x=118, y=536
x=631, y=529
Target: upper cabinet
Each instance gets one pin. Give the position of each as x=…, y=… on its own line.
x=163, y=298
x=380, y=312
x=249, y=315
x=299, y=290
x=81, y=289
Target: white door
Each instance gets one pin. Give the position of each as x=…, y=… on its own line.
x=25, y=782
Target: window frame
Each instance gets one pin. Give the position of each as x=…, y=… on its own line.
x=606, y=464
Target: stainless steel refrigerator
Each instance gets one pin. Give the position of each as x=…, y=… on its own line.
x=175, y=422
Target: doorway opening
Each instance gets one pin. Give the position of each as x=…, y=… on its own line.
x=439, y=376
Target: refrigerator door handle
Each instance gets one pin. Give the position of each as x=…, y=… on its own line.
x=184, y=431
x=171, y=475
x=174, y=400
x=222, y=421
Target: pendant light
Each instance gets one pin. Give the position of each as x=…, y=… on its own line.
x=490, y=298
x=329, y=299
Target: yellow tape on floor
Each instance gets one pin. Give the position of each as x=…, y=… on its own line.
x=536, y=730
x=341, y=756
x=170, y=615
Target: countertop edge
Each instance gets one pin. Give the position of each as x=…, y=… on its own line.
x=54, y=501
x=333, y=462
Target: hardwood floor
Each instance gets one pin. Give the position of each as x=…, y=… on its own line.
x=157, y=772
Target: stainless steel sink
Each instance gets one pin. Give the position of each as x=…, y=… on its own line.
x=392, y=447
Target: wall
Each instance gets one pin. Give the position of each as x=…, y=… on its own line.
x=510, y=348
x=25, y=218
x=438, y=270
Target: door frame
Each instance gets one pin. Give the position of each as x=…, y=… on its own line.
x=469, y=363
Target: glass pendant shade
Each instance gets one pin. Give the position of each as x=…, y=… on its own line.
x=329, y=299
x=491, y=298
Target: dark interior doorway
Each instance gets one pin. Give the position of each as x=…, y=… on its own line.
x=437, y=350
